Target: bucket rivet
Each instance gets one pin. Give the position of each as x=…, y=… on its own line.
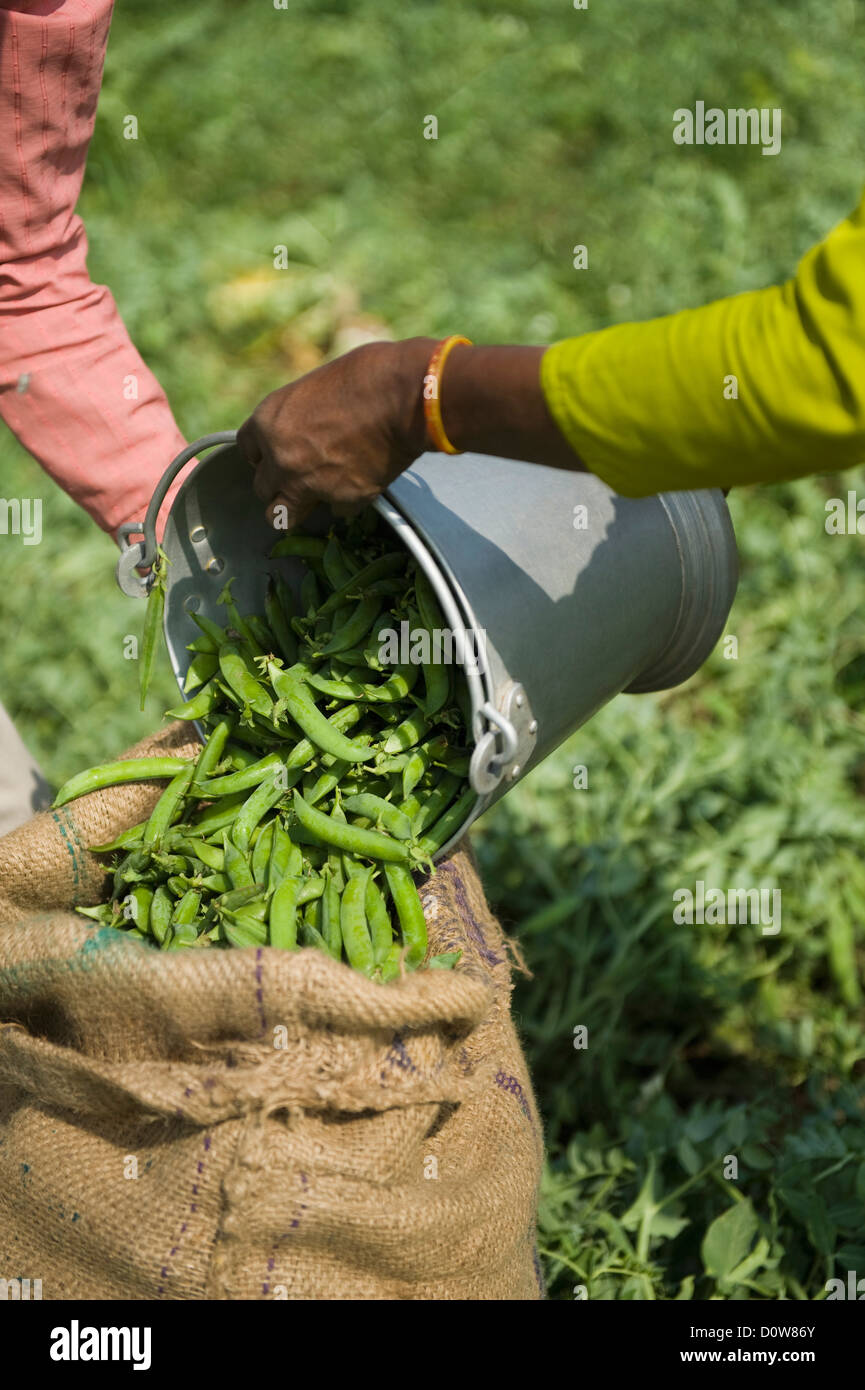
x=215, y=566
x=519, y=701
x=197, y=534
x=192, y=603
x=533, y=727
x=515, y=771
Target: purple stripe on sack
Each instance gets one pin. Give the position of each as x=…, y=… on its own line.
x=193, y=1207
x=466, y=915
x=513, y=1087
x=259, y=992
x=295, y=1222
x=397, y=1056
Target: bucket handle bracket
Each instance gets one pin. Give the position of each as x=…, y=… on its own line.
x=507, y=743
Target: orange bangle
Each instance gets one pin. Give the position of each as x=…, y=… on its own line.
x=432, y=391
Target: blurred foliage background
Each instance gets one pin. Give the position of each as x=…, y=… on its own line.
x=304, y=127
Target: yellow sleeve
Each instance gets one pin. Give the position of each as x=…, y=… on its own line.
x=650, y=407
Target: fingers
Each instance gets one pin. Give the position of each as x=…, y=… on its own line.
x=287, y=511
x=249, y=443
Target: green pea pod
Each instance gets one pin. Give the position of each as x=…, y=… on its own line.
x=112, y=774
x=186, y=910
x=406, y=734
x=283, y=914
x=262, y=851
x=378, y=917
x=428, y=605
x=436, y=803
x=355, y=627
x=239, y=624
x=152, y=625
x=254, y=809
x=279, y=623
x=312, y=888
x=242, y=930
x=396, y=687
x=336, y=689
x=260, y=628
x=173, y=863
x=205, y=645
x=310, y=596
x=161, y=908
x=420, y=760
x=241, y=681
x=127, y=839
x=237, y=898
x=449, y=823
x=199, y=671
x=409, y=805
x=215, y=818
x=213, y=749
x=216, y=883
x=409, y=910
x=356, y=937
x=459, y=766
x=337, y=570
x=330, y=909
x=312, y=936
x=382, y=812
x=210, y=629
x=376, y=569
x=139, y=902
x=436, y=687
x=357, y=658
x=369, y=844
x=304, y=547
x=237, y=865
x=325, y=783
x=313, y=929
x=267, y=769
x=285, y=857
x=390, y=965
x=168, y=807
x=200, y=704
x=238, y=758
x=295, y=696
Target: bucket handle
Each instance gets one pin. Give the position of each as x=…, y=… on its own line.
x=141, y=554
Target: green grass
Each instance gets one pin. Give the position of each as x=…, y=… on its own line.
x=304, y=128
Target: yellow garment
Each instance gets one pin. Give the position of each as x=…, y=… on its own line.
x=643, y=404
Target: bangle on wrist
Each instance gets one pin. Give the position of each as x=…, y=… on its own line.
x=432, y=394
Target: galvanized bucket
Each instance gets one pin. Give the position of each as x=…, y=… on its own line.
x=576, y=593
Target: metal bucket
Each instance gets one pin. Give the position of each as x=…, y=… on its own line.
x=579, y=593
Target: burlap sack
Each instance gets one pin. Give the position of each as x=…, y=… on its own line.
x=252, y=1124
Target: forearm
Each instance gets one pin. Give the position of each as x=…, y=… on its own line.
x=73, y=388
x=491, y=402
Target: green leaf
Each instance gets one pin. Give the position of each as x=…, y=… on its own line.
x=728, y=1240
x=688, y=1156
x=754, y=1156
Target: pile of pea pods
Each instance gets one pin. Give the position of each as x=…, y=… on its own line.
x=327, y=778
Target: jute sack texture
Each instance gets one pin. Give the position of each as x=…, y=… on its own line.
x=252, y=1124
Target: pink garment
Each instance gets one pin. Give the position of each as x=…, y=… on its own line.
x=73, y=388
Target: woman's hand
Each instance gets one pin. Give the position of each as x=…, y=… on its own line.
x=342, y=433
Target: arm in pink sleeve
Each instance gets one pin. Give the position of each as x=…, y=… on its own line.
x=73, y=388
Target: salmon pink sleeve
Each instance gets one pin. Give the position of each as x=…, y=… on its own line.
x=73, y=388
